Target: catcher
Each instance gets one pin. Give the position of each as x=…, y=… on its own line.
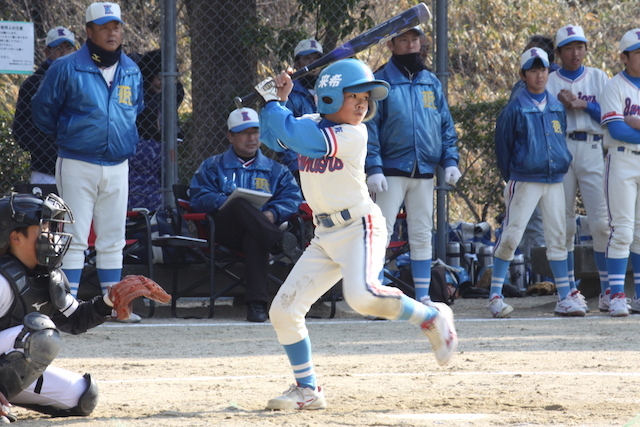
x=35, y=304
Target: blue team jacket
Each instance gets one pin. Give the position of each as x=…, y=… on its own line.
x=219, y=175
x=530, y=144
x=413, y=127
x=91, y=122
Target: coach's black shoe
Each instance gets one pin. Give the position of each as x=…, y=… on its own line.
x=257, y=312
x=289, y=246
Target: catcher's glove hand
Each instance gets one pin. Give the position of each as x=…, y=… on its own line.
x=122, y=294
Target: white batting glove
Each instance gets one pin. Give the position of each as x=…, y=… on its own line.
x=377, y=183
x=451, y=175
x=268, y=90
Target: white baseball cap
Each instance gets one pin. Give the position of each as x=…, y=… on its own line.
x=307, y=47
x=630, y=41
x=58, y=35
x=529, y=56
x=568, y=34
x=101, y=13
x=242, y=119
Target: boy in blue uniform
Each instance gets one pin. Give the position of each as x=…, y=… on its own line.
x=533, y=158
x=350, y=234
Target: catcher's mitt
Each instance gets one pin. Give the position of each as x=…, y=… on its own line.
x=131, y=287
x=541, y=288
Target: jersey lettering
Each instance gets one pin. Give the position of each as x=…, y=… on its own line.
x=428, y=99
x=261, y=184
x=124, y=95
x=588, y=98
x=321, y=165
x=631, y=109
x=557, y=128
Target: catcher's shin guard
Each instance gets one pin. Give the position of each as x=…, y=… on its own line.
x=86, y=403
x=40, y=341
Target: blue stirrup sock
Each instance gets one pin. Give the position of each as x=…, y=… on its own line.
x=415, y=312
x=635, y=263
x=421, y=272
x=571, y=270
x=108, y=277
x=561, y=277
x=300, y=359
x=73, y=276
x=617, y=268
x=500, y=267
x=601, y=265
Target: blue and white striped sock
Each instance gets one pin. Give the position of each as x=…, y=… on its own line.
x=601, y=265
x=108, y=277
x=73, y=276
x=300, y=359
x=421, y=272
x=635, y=263
x=617, y=268
x=498, y=275
x=561, y=277
x=414, y=312
x=571, y=270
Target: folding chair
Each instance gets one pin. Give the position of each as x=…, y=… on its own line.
x=202, y=246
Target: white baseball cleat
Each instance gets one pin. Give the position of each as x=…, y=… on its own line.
x=579, y=299
x=569, y=307
x=618, y=307
x=299, y=398
x=604, y=300
x=498, y=307
x=441, y=332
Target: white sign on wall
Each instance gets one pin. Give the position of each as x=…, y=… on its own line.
x=16, y=47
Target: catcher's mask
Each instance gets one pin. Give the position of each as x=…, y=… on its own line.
x=23, y=210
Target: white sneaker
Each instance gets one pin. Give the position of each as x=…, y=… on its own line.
x=579, y=299
x=134, y=318
x=426, y=300
x=498, y=307
x=570, y=306
x=299, y=398
x=441, y=332
x=618, y=306
x=635, y=305
x=604, y=300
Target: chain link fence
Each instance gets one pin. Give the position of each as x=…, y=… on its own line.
x=223, y=48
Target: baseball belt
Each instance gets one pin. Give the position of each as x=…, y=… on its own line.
x=583, y=136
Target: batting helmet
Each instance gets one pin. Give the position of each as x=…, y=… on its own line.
x=23, y=210
x=348, y=75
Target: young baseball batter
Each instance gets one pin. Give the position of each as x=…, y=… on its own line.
x=620, y=100
x=533, y=157
x=579, y=88
x=350, y=234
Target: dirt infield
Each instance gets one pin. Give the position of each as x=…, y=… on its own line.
x=530, y=370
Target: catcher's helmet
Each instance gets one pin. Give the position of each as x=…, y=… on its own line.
x=348, y=75
x=23, y=210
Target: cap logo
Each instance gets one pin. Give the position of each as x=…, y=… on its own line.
x=638, y=34
x=332, y=80
x=245, y=116
x=107, y=9
x=61, y=32
x=314, y=44
x=570, y=31
x=534, y=53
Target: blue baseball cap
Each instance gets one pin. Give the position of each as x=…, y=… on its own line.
x=101, y=13
x=529, y=56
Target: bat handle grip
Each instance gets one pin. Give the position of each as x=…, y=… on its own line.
x=246, y=100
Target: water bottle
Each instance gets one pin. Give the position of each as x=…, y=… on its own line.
x=517, y=272
x=485, y=256
x=453, y=254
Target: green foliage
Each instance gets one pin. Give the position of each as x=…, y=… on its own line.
x=479, y=190
x=14, y=162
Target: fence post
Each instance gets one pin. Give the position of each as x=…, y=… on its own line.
x=169, y=103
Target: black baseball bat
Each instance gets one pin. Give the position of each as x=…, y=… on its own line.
x=391, y=27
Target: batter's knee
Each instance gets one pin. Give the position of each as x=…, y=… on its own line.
x=600, y=232
x=622, y=237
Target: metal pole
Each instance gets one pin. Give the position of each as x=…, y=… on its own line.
x=169, y=103
x=442, y=190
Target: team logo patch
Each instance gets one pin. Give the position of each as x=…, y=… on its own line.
x=570, y=31
x=107, y=9
x=245, y=116
x=61, y=32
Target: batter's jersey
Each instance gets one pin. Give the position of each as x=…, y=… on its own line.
x=620, y=98
x=588, y=87
x=330, y=156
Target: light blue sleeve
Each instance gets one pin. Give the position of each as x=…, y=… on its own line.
x=280, y=130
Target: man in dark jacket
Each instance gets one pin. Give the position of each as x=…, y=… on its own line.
x=60, y=41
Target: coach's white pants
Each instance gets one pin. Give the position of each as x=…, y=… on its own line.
x=353, y=253
x=417, y=195
x=587, y=173
x=520, y=199
x=97, y=194
x=622, y=184
x=60, y=388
